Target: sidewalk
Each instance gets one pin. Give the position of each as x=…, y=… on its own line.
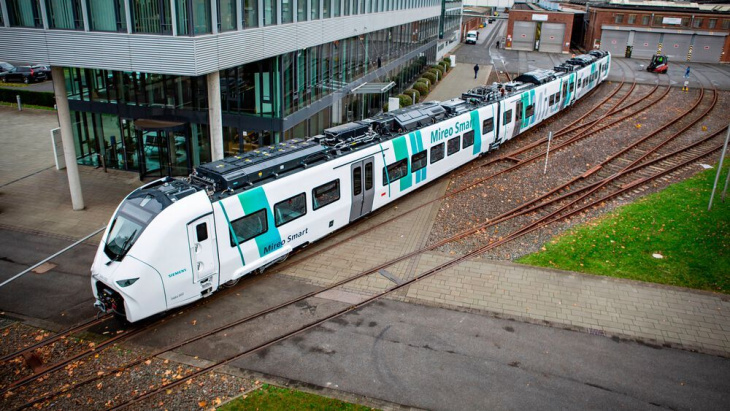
x=458, y=80
x=34, y=196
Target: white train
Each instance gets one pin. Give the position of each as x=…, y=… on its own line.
x=175, y=241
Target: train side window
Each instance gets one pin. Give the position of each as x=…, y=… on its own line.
x=437, y=152
x=507, y=117
x=552, y=99
x=468, y=139
x=419, y=160
x=572, y=86
x=368, y=176
x=557, y=97
x=487, y=125
x=290, y=209
x=565, y=89
x=395, y=171
x=249, y=227
x=530, y=111
x=325, y=194
x=518, y=111
x=452, y=146
x=201, y=232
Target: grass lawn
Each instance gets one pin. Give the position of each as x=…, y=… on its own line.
x=269, y=397
x=694, y=244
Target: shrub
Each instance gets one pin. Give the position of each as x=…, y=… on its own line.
x=422, y=88
x=36, y=98
x=430, y=76
x=425, y=81
x=411, y=91
x=439, y=68
x=405, y=100
x=448, y=63
x=442, y=64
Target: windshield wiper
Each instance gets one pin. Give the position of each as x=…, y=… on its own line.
x=123, y=250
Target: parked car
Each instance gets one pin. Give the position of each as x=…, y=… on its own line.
x=45, y=69
x=5, y=67
x=26, y=74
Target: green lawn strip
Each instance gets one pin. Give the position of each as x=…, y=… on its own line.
x=270, y=397
x=675, y=223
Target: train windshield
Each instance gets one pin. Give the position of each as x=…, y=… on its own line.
x=132, y=218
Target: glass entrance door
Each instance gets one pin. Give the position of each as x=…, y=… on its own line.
x=164, y=152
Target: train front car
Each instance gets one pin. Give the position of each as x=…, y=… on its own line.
x=154, y=250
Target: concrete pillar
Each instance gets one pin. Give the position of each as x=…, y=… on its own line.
x=215, y=118
x=67, y=138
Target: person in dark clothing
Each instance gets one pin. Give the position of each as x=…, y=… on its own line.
x=380, y=63
x=476, y=70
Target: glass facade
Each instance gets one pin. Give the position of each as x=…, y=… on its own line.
x=227, y=15
x=250, y=13
x=152, y=16
x=107, y=15
x=64, y=14
x=112, y=110
x=24, y=13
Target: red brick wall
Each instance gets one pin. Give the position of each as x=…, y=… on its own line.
x=553, y=17
x=607, y=17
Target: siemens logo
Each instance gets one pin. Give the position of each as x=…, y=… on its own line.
x=458, y=128
x=177, y=272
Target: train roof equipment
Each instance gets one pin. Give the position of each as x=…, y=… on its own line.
x=537, y=77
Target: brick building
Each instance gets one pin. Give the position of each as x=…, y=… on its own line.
x=541, y=27
x=639, y=29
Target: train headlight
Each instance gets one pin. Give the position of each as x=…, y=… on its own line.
x=127, y=282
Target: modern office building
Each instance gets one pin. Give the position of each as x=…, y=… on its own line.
x=160, y=86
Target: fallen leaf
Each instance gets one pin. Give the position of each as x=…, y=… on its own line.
x=202, y=404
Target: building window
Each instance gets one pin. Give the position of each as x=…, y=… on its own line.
x=301, y=10
x=685, y=22
x=64, y=14
x=193, y=17
x=287, y=10
x=726, y=24
x=269, y=12
x=645, y=20
x=226, y=15
x=697, y=23
x=619, y=18
x=107, y=15
x=712, y=23
x=326, y=8
x=250, y=13
x=24, y=13
x=632, y=18
x=314, y=9
x=151, y=16
x=335, y=8
x=658, y=20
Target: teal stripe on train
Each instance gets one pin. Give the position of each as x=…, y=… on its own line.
x=476, y=125
x=400, y=146
x=417, y=146
x=253, y=201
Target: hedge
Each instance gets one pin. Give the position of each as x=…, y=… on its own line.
x=422, y=88
x=405, y=100
x=430, y=76
x=411, y=91
x=439, y=69
x=425, y=81
x=444, y=65
x=36, y=98
x=448, y=63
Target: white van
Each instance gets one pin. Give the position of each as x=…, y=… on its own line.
x=471, y=37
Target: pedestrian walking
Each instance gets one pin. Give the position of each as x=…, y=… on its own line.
x=476, y=70
x=686, y=73
x=497, y=43
x=380, y=63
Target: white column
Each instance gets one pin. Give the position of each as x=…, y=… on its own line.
x=44, y=16
x=85, y=16
x=173, y=16
x=128, y=15
x=214, y=16
x=215, y=118
x=4, y=11
x=67, y=138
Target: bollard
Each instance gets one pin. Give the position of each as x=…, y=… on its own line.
x=20, y=106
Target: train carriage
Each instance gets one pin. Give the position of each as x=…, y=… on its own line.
x=174, y=241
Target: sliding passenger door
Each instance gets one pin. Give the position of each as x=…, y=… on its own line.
x=363, y=188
